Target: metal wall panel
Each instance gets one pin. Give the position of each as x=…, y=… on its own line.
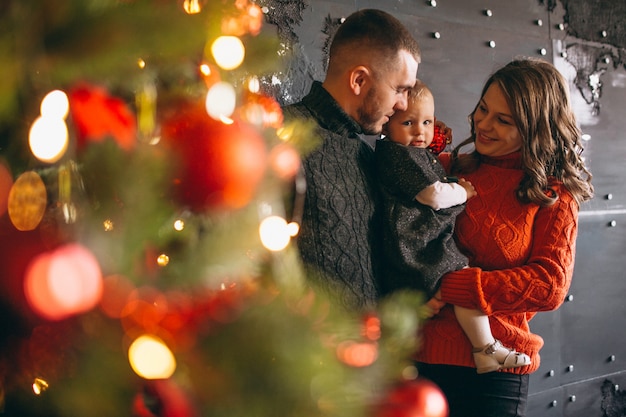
x=592, y=341
x=585, y=344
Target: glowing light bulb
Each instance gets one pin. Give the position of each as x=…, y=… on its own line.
x=221, y=100
x=163, y=260
x=39, y=386
x=48, y=138
x=228, y=52
x=55, y=104
x=192, y=6
x=274, y=233
x=293, y=229
x=205, y=70
x=150, y=358
x=108, y=225
x=254, y=85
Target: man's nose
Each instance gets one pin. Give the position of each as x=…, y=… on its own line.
x=403, y=103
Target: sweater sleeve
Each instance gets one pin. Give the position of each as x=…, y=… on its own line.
x=540, y=283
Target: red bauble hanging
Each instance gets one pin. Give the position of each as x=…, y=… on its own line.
x=220, y=165
x=416, y=398
x=97, y=115
x=440, y=141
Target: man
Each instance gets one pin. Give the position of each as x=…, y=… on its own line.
x=372, y=64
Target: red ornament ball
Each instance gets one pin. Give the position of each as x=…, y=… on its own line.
x=440, y=141
x=416, y=398
x=97, y=115
x=219, y=165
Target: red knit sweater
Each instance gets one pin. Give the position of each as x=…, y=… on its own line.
x=521, y=261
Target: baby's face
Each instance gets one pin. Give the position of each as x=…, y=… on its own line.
x=414, y=126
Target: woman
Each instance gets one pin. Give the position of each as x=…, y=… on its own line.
x=519, y=233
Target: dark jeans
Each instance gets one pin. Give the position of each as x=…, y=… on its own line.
x=494, y=394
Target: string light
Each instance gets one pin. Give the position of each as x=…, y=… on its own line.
x=228, y=52
x=39, y=386
x=163, y=260
x=150, y=358
x=275, y=233
x=55, y=104
x=179, y=225
x=221, y=100
x=48, y=137
x=192, y=6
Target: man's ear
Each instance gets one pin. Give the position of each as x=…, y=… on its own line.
x=359, y=76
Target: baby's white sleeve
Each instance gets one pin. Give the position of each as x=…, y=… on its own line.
x=442, y=195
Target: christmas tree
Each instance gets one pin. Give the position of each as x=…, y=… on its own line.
x=147, y=226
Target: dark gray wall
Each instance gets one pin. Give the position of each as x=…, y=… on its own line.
x=584, y=359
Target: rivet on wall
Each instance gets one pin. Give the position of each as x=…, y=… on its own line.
x=491, y=44
x=436, y=35
x=554, y=403
x=616, y=387
x=607, y=60
x=551, y=372
x=433, y=3
x=604, y=34
x=539, y=22
x=488, y=12
x=543, y=51
x=563, y=54
x=570, y=368
x=572, y=398
x=609, y=196
x=560, y=26
x=569, y=298
x=612, y=223
x=611, y=358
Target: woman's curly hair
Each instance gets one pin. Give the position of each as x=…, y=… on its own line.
x=538, y=97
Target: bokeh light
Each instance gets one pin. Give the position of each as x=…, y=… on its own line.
x=63, y=282
x=163, y=260
x=228, y=52
x=6, y=182
x=55, y=105
x=285, y=161
x=179, y=225
x=48, y=138
x=192, y=6
x=274, y=233
x=150, y=358
x=27, y=201
x=39, y=386
x=221, y=100
x=357, y=354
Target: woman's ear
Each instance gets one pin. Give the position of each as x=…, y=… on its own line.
x=358, y=79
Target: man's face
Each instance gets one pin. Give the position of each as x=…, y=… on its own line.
x=387, y=94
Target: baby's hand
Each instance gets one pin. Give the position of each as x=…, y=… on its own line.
x=469, y=188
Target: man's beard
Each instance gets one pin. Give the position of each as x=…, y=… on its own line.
x=369, y=114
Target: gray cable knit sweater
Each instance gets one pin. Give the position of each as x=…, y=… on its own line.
x=339, y=233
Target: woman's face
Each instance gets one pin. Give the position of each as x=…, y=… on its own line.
x=496, y=132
